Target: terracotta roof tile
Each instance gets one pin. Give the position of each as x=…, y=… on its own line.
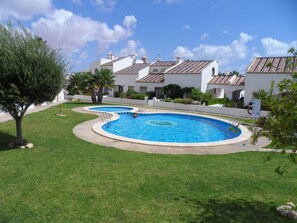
x=133, y=69
x=152, y=78
x=259, y=65
x=164, y=63
x=190, y=67
x=225, y=80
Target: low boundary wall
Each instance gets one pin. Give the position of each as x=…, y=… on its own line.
x=161, y=104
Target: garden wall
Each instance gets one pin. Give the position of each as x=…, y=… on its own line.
x=208, y=109
x=189, y=107
x=108, y=100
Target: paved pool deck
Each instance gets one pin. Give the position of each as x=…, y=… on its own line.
x=85, y=132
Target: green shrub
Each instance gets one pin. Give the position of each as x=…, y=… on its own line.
x=117, y=94
x=151, y=94
x=168, y=100
x=183, y=100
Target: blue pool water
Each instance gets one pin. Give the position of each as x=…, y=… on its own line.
x=110, y=109
x=176, y=128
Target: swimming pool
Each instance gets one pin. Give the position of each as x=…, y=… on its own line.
x=110, y=108
x=172, y=128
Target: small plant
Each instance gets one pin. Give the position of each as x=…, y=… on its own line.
x=61, y=114
x=168, y=100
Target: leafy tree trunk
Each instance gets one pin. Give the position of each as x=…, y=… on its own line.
x=100, y=95
x=19, y=131
x=93, y=96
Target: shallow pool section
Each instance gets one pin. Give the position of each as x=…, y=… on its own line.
x=111, y=108
x=171, y=128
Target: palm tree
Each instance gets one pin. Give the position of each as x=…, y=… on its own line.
x=100, y=80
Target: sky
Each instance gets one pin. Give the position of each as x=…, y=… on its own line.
x=230, y=31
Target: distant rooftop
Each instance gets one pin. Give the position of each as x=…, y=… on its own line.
x=110, y=63
x=164, y=63
x=152, y=78
x=133, y=69
x=190, y=67
x=225, y=80
x=278, y=65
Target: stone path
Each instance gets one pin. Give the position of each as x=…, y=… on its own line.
x=85, y=132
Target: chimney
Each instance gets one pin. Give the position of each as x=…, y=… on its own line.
x=144, y=59
x=178, y=59
x=109, y=55
x=158, y=59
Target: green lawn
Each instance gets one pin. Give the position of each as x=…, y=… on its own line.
x=65, y=179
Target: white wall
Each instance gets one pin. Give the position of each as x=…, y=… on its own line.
x=125, y=80
x=97, y=64
x=150, y=86
x=143, y=72
x=255, y=82
x=123, y=63
x=206, y=75
x=183, y=80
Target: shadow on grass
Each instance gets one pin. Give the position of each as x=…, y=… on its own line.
x=5, y=138
x=237, y=210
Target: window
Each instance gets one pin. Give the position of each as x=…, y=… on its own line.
x=131, y=88
x=158, y=92
x=155, y=71
x=163, y=70
x=143, y=90
x=213, y=71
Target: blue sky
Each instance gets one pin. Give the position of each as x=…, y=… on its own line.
x=230, y=31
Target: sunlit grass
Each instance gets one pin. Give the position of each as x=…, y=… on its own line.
x=65, y=179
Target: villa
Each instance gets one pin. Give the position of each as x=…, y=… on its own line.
x=144, y=77
x=259, y=76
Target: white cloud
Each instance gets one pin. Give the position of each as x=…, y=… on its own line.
x=105, y=5
x=133, y=48
x=226, y=54
x=71, y=32
x=183, y=52
x=273, y=47
x=84, y=55
x=204, y=36
x=129, y=21
x=25, y=9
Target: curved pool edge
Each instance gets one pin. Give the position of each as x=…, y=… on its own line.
x=245, y=133
x=134, y=109
x=85, y=132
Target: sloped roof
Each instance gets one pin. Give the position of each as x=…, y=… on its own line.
x=190, y=67
x=110, y=63
x=278, y=65
x=133, y=69
x=164, y=63
x=225, y=80
x=152, y=78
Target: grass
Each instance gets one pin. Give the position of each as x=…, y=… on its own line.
x=65, y=179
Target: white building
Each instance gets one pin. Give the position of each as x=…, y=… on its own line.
x=229, y=86
x=259, y=76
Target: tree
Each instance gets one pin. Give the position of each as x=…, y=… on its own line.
x=234, y=72
x=200, y=96
x=31, y=72
x=281, y=124
x=100, y=80
x=173, y=91
x=78, y=83
x=267, y=97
